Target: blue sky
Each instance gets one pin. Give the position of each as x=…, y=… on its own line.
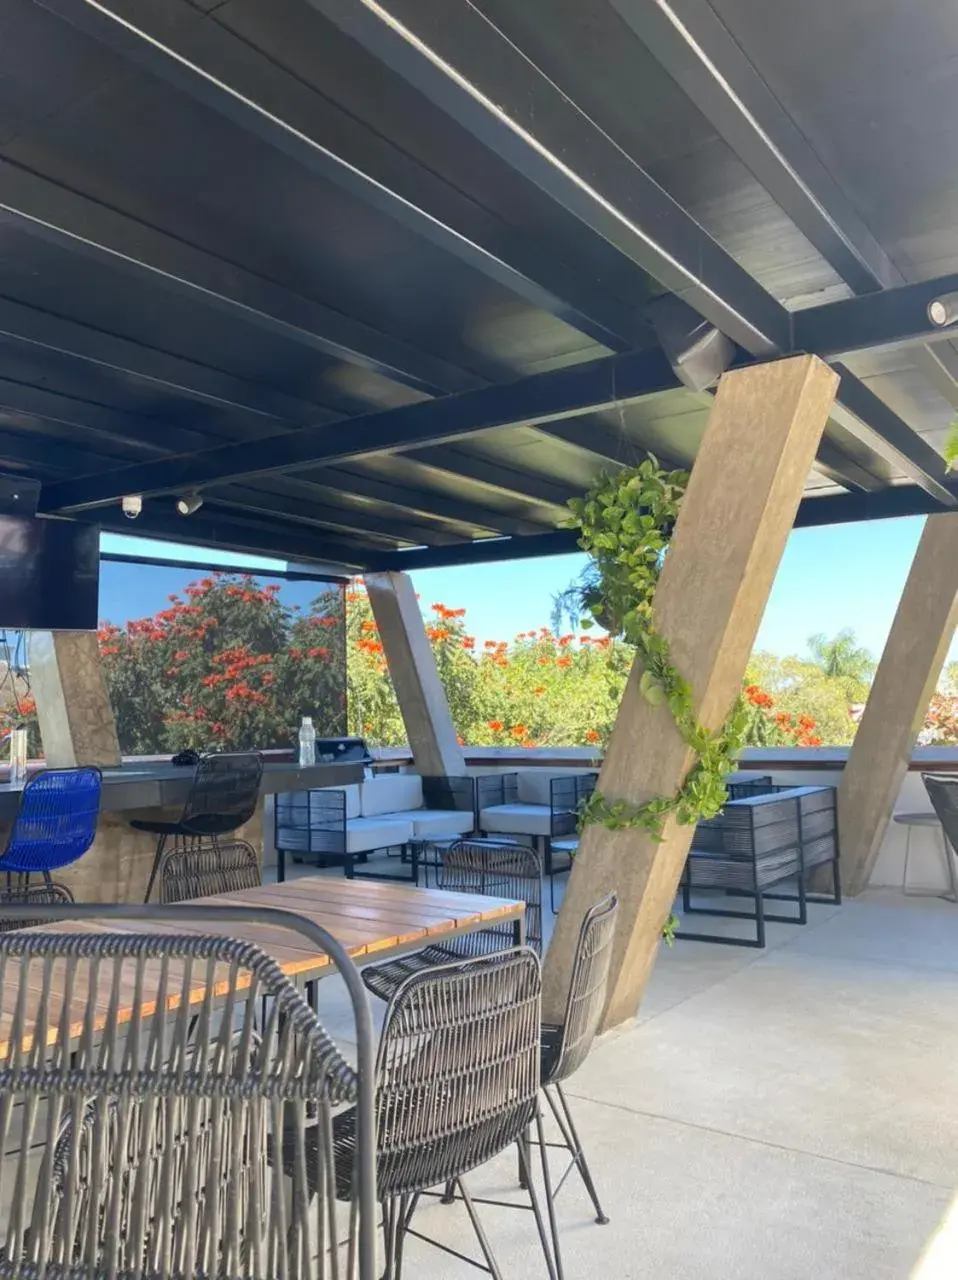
x=838, y=576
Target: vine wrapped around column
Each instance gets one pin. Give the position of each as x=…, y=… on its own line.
x=626, y=522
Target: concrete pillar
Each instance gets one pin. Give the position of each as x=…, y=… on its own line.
x=904, y=682
x=763, y=430
x=412, y=667
x=76, y=720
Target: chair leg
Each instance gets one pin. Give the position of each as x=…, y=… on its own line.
x=555, y=1267
x=160, y=845
x=484, y=1245
x=390, y=1232
x=570, y=1135
x=837, y=881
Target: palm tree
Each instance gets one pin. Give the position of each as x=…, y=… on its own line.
x=841, y=658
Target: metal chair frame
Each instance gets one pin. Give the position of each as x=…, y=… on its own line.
x=62, y=1068
x=203, y=870
x=223, y=796
x=490, y=867
x=47, y=833
x=458, y=1079
x=566, y=1046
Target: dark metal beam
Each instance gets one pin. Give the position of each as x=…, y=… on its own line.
x=462, y=63
x=232, y=534
x=856, y=405
x=540, y=398
x=153, y=368
x=692, y=43
x=71, y=221
x=204, y=59
x=842, y=508
x=503, y=477
x=893, y=317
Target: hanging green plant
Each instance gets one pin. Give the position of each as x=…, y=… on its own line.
x=951, y=446
x=625, y=523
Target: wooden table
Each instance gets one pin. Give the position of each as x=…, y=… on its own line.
x=372, y=921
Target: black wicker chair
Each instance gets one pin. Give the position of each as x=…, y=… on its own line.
x=566, y=1046
x=457, y=1083
x=490, y=867
x=942, y=791
x=199, y=872
x=17, y=889
x=223, y=797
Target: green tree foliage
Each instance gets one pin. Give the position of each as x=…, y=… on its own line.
x=842, y=658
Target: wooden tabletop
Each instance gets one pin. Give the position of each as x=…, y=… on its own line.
x=372, y=921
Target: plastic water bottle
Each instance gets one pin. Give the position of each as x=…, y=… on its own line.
x=307, y=742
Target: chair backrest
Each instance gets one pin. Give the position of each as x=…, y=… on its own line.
x=21, y=892
x=566, y=796
x=587, y=990
x=458, y=1069
x=314, y=821
x=224, y=793
x=497, y=870
x=496, y=788
x=202, y=870
x=942, y=791
x=56, y=823
x=140, y=1144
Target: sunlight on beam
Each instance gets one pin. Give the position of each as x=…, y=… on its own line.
x=940, y=1258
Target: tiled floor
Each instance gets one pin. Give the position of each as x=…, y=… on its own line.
x=791, y=1113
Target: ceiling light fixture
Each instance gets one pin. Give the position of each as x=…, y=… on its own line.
x=132, y=505
x=944, y=310
x=189, y=504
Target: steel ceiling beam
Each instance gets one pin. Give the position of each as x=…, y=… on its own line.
x=842, y=508
x=233, y=534
x=207, y=61
x=50, y=212
x=893, y=317
x=691, y=42
x=540, y=398
x=471, y=71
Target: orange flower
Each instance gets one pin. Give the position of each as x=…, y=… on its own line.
x=563, y=662
x=540, y=691
x=592, y=736
x=469, y=642
x=519, y=731
x=317, y=653
x=496, y=726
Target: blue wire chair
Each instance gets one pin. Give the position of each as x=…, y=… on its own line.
x=56, y=823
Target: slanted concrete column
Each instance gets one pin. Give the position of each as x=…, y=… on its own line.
x=904, y=682
x=76, y=720
x=759, y=444
x=422, y=699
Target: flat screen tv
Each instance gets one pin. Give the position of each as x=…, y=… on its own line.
x=49, y=574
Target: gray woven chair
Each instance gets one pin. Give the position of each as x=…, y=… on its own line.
x=492, y=867
x=565, y=1046
x=16, y=890
x=458, y=1079
x=202, y=870
x=140, y=1145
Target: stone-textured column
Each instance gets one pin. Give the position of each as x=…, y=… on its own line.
x=904, y=682
x=422, y=699
x=763, y=430
x=76, y=720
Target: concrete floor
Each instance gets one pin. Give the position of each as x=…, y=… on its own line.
x=791, y=1113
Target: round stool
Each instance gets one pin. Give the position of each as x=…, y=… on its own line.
x=912, y=820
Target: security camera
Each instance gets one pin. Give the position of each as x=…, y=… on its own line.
x=132, y=505
x=189, y=504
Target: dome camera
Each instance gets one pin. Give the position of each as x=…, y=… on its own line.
x=132, y=505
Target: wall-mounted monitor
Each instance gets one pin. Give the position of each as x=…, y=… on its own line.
x=49, y=574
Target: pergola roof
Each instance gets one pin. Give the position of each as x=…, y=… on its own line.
x=378, y=280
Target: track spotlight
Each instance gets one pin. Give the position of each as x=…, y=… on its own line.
x=189, y=504
x=944, y=310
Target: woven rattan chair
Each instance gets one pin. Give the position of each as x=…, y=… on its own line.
x=198, y=872
x=491, y=867
x=458, y=1078
x=141, y=1145
x=566, y=1046
x=18, y=891
x=223, y=797
x=942, y=791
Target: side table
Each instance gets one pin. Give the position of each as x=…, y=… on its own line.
x=912, y=820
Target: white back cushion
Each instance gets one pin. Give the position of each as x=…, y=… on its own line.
x=352, y=798
x=392, y=793
x=533, y=785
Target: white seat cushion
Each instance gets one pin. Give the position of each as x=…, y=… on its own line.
x=440, y=822
x=352, y=798
x=391, y=793
x=365, y=834
x=516, y=819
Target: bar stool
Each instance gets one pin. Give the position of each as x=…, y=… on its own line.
x=55, y=825
x=223, y=796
